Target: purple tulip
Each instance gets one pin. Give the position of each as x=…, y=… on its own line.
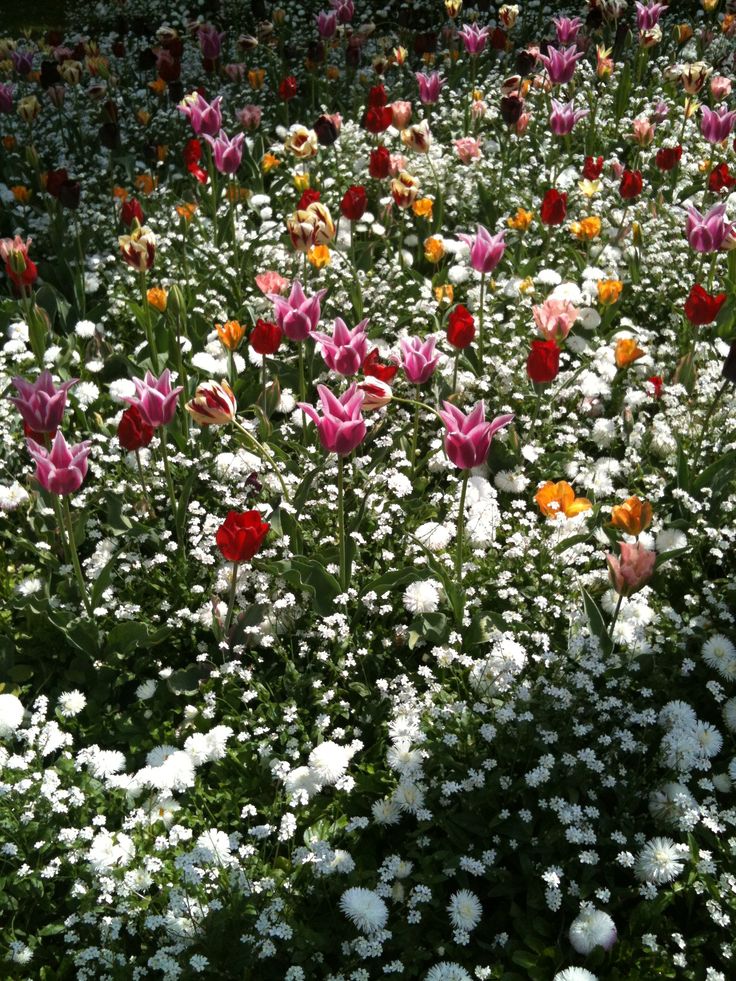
x=62, y=469
x=647, y=17
x=468, y=438
x=41, y=404
x=346, y=350
x=418, y=358
x=708, y=233
x=560, y=64
x=345, y=10
x=341, y=426
x=297, y=315
x=210, y=42
x=205, y=118
x=716, y=124
x=156, y=399
x=474, y=38
x=430, y=87
x=564, y=117
x=567, y=29
x=22, y=61
x=227, y=153
x=6, y=98
x=486, y=250
x=326, y=23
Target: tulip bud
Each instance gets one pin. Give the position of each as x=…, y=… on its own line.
x=213, y=404
x=176, y=302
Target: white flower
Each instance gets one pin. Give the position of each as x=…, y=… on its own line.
x=575, y=974
x=729, y=714
x=86, y=393
x=146, y=690
x=85, y=329
x=708, y=738
x=106, y=762
x=302, y=780
x=660, y=861
x=365, y=909
x=671, y=802
x=11, y=715
x=719, y=653
x=670, y=539
x=175, y=772
x=422, y=596
x=590, y=929
x=446, y=971
x=677, y=714
x=120, y=389
x=465, y=910
x=434, y=536
x=109, y=851
x=386, y=811
x=216, y=846
x=511, y=482
x=496, y=672
x=71, y=703
x=12, y=496
x=329, y=761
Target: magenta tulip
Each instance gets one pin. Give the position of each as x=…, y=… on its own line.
x=297, y=315
x=560, y=64
x=62, y=469
x=708, y=233
x=716, y=124
x=469, y=436
x=430, y=87
x=205, y=118
x=564, y=117
x=210, y=42
x=474, y=38
x=40, y=403
x=418, y=358
x=346, y=350
x=156, y=400
x=567, y=29
x=486, y=250
x=227, y=153
x=326, y=23
x=647, y=17
x=341, y=426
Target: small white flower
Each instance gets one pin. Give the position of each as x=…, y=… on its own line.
x=465, y=910
x=85, y=329
x=660, y=861
x=422, y=596
x=592, y=928
x=71, y=703
x=365, y=909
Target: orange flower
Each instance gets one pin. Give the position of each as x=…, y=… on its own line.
x=162, y=151
x=434, y=250
x=9, y=142
x=684, y=32
x=422, y=208
x=230, y=334
x=235, y=194
x=521, y=220
x=256, y=77
x=186, y=211
x=609, y=290
x=158, y=86
x=555, y=499
x=633, y=516
x=21, y=194
x=444, y=294
x=586, y=229
x=145, y=183
x=627, y=351
x=332, y=73
x=157, y=297
x=319, y=256
x=268, y=162
x=119, y=192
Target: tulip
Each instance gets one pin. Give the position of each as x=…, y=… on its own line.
x=668, y=158
x=326, y=23
x=231, y=333
x=642, y=132
x=265, y=338
x=633, y=516
x=341, y=427
x=567, y=29
x=631, y=184
x=543, y=363
x=401, y=114
x=19, y=267
x=460, y=328
x=155, y=399
x=417, y=137
x=288, y=88
x=139, y=248
x=627, y=351
x=404, y=190
x=486, y=250
x=419, y=359
x=210, y=42
x=376, y=394
x=241, y=535
x=134, y=433
x=554, y=207
x=249, y=116
x=474, y=38
x=379, y=163
x=40, y=403
x=720, y=87
x=467, y=149
x=130, y=211
x=327, y=128
x=694, y=76
x=560, y=64
x=345, y=10
x=468, y=437
x=716, y=125
x=22, y=62
x=192, y=156
x=430, y=87
x=558, y=499
x=227, y=153
x=272, y=282
x=708, y=233
x=554, y=318
x=302, y=143
x=702, y=308
x=373, y=368
x=298, y=315
x=647, y=17
x=720, y=179
x=345, y=351
x=632, y=571
x=62, y=469
x=354, y=203
x=205, y=118
x=213, y=404
x=564, y=117
x=6, y=98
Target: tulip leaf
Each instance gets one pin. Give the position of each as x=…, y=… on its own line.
x=596, y=622
x=672, y=554
x=717, y=473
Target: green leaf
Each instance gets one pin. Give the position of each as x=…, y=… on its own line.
x=125, y=636
x=185, y=681
x=102, y=581
x=672, y=554
x=391, y=580
x=596, y=621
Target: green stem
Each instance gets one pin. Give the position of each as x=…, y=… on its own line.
x=481, y=319
x=264, y=454
x=231, y=604
x=146, y=496
x=461, y=530
x=615, y=616
x=711, y=409
x=341, y=524
x=415, y=433
x=75, y=557
x=170, y=484
x=149, y=328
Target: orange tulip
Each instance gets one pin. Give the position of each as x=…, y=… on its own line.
x=559, y=498
x=157, y=297
x=186, y=211
x=627, y=351
x=609, y=290
x=633, y=516
x=231, y=334
x=521, y=220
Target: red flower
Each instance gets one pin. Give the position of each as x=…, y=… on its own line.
x=265, y=337
x=375, y=369
x=656, y=381
x=241, y=535
x=133, y=431
x=498, y=39
x=631, y=184
x=22, y=279
x=377, y=97
x=354, y=203
x=543, y=362
x=288, y=88
x=668, y=158
x=131, y=211
x=720, y=179
x=592, y=168
x=461, y=327
x=310, y=196
x=377, y=119
x=192, y=156
x=554, y=207
x=702, y=308
x=379, y=164
x=54, y=180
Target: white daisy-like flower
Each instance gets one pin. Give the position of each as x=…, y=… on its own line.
x=729, y=714
x=86, y=393
x=590, y=929
x=85, y=329
x=511, y=482
x=422, y=596
x=365, y=909
x=677, y=714
x=671, y=802
x=447, y=971
x=109, y=851
x=719, y=653
x=12, y=496
x=329, y=761
x=71, y=703
x=575, y=974
x=11, y=714
x=669, y=539
x=434, y=535
x=106, y=763
x=386, y=811
x=146, y=690
x=409, y=796
x=709, y=739
x=302, y=780
x=121, y=388
x=465, y=910
x=660, y=861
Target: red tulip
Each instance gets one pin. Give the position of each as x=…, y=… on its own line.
x=554, y=207
x=288, y=88
x=354, y=203
x=377, y=119
x=720, y=179
x=132, y=211
x=133, y=431
x=377, y=97
x=543, y=362
x=192, y=156
x=379, y=164
x=461, y=327
x=54, y=180
x=310, y=196
x=702, y=308
x=657, y=382
x=668, y=158
x=631, y=184
x=373, y=367
x=241, y=535
x=592, y=168
x=265, y=337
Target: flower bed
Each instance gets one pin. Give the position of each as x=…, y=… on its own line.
x=368, y=493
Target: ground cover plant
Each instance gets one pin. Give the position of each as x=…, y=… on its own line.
x=368, y=491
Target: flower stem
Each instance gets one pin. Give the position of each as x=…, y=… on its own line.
x=711, y=409
x=149, y=328
x=481, y=318
x=461, y=529
x=615, y=616
x=341, y=523
x=264, y=454
x=172, y=492
x=415, y=433
x=146, y=496
x=233, y=590
x=75, y=556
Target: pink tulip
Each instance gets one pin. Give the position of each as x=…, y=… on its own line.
x=298, y=315
x=564, y=117
x=633, y=570
x=430, y=87
x=272, y=282
x=486, y=250
x=469, y=436
x=345, y=10
x=326, y=23
x=642, y=131
x=467, y=149
x=156, y=400
x=567, y=29
x=401, y=114
x=560, y=64
x=205, y=118
x=647, y=17
x=210, y=41
x=708, y=233
x=341, y=426
x=41, y=404
x=249, y=117
x=235, y=71
x=397, y=163
x=227, y=152
x=720, y=87
x=474, y=38
x=62, y=469
x=6, y=98
x=418, y=358
x=345, y=351
x=554, y=318
x=716, y=124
